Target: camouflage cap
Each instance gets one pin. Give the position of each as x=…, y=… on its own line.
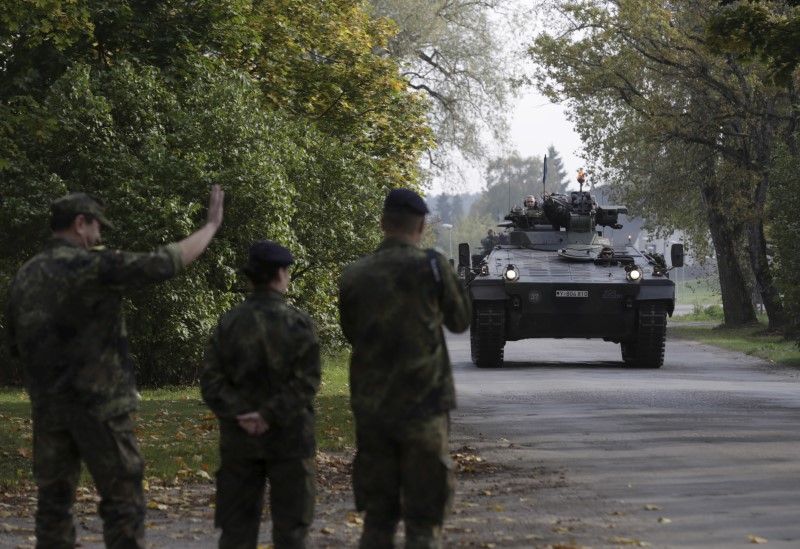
x=81, y=203
x=405, y=199
x=267, y=252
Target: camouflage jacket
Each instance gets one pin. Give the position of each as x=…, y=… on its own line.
x=264, y=356
x=65, y=321
x=392, y=311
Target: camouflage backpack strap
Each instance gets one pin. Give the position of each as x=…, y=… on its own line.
x=438, y=279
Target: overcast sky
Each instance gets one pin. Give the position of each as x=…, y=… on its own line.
x=534, y=122
x=534, y=125
x=537, y=124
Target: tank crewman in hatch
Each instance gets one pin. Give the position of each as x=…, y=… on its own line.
x=65, y=321
x=261, y=372
x=392, y=306
x=532, y=206
x=489, y=241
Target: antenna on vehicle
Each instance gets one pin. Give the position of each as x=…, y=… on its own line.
x=509, y=196
x=544, y=176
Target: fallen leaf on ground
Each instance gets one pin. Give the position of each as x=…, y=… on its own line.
x=629, y=541
x=756, y=539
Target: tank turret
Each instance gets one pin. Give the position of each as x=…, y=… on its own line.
x=577, y=211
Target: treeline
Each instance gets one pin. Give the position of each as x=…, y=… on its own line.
x=690, y=110
x=284, y=103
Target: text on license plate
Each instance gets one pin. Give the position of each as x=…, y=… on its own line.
x=572, y=293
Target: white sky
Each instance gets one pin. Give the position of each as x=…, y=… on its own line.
x=534, y=124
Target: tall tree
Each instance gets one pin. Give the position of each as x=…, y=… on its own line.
x=281, y=102
x=455, y=51
x=769, y=33
x=557, y=179
x=444, y=207
x=766, y=29
x=784, y=231
x=508, y=181
x=458, y=208
x=641, y=74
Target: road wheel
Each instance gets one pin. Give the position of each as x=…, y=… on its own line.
x=487, y=333
x=647, y=350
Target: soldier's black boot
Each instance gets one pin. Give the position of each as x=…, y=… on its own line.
x=377, y=534
x=423, y=536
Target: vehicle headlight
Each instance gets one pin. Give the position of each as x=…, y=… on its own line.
x=633, y=273
x=511, y=273
x=484, y=270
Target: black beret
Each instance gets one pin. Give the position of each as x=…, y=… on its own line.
x=81, y=203
x=267, y=252
x=405, y=199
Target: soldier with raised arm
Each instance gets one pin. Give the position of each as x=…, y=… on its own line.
x=65, y=321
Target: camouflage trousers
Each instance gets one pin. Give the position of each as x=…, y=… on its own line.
x=403, y=471
x=240, y=499
x=63, y=435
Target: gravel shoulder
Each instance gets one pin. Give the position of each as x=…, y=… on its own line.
x=502, y=500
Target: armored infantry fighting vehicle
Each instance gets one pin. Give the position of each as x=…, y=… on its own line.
x=556, y=276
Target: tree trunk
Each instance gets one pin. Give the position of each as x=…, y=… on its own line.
x=761, y=142
x=770, y=297
x=726, y=236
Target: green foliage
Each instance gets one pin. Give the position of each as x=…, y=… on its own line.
x=335, y=424
x=704, y=313
x=753, y=340
x=766, y=30
x=317, y=59
x=454, y=52
x=471, y=230
x=178, y=434
x=678, y=130
x=784, y=234
x=557, y=179
x=16, y=436
x=508, y=181
x=283, y=103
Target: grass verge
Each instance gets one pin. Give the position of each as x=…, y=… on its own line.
x=177, y=432
x=752, y=340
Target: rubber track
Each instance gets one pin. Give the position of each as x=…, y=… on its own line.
x=487, y=333
x=651, y=338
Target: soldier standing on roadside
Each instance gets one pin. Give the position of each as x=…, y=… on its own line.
x=261, y=373
x=393, y=304
x=65, y=321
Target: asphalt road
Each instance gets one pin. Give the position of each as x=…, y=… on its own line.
x=711, y=440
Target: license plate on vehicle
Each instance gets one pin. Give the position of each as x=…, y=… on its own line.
x=572, y=293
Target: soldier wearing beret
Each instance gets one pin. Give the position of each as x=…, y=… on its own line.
x=392, y=306
x=260, y=374
x=65, y=321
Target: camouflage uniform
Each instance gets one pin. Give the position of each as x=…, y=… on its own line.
x=264, y=356
x=402, y=389
x=65, y=321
